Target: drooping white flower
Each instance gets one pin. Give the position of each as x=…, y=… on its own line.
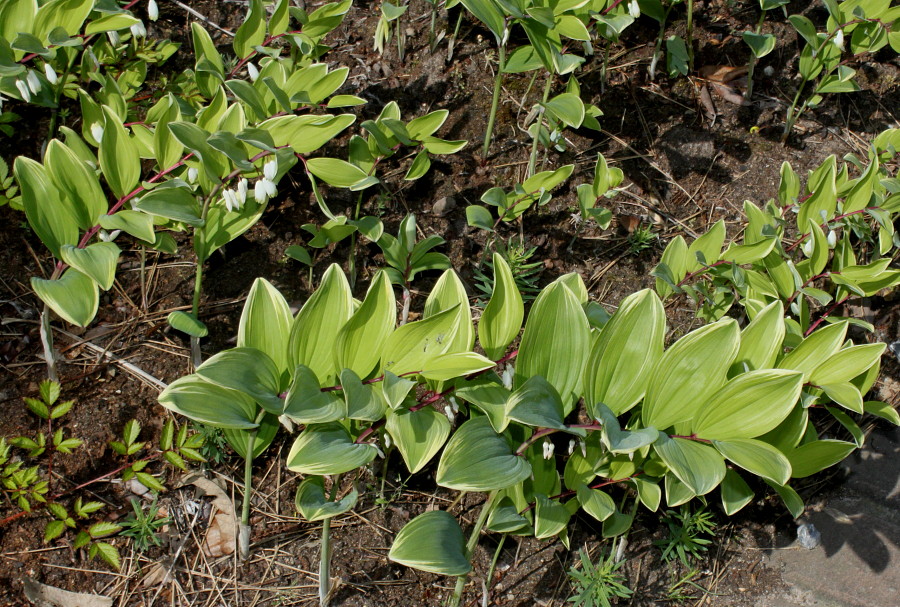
x=548, y=449
x=231, y=200
x=839, y=39
x=138, y=30
x=152, y=10
x=109, y=236
x=241, y=191
x=34, y=83
x=507, y=377
x=808, y=246
x=270, y=169
x=387, y=440
x=259, y=192
x=571, y=446
x=269, y=187
x=634, y=9
x=192, y=175
x=23, y=90
x=252, y=72
x=453, y=404
x=113, y=37
x=97, y=132
x=50, y=73
x=832, y=239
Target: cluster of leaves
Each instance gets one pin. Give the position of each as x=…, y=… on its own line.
x=686, y=528
x=597, y=584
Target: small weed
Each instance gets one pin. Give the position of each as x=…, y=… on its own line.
x=525, y=271
x=640, y=240
x=685, y=529
x=142, y=527
x=214, y=447
x=596, y=583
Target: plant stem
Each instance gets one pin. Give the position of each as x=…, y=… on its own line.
x=690, y=35
x=244, y=531
x=495, y=101
x=490, y=573
x=486, y=508
x=532, y=159
x=452, y=42
x=195, y=311
x=325, y=551
x=751, y=66
x=47, y=342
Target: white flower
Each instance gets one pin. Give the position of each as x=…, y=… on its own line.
x=634, y=9
x=113, y=37
x=832, y=239
x=269, y=187
x=152, y=10
x=50, y=73
x=231, y=200
x=571, y=446
x=242, y=191
x=449, y=413
x=387, y=441
x=507, y=378
x=253, y=72
x=23, y=90
x=192, y=175
x=839, y=39
x=109, y=236
x=97, y=132
x=808, y=246
x=138, y=30
x=34, y=83
x=259, y=192
x=270, y=169
x=453, y=404
x=548, y=449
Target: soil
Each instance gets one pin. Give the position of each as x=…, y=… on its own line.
x=682, y=172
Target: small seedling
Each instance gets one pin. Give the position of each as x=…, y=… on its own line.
x=685, y=529
x=142, y=526
x=595, y=584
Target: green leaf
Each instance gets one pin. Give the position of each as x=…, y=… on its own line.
x=622, y=441
x=316, y=326
x=247, y=370
x=598, y=504
x=502, y=318
x=54, y=222
x=184, y=322
x=432, y=542
x=846, y=364
x=845, y=394
x=490, y=14
x=266, y=323
x=791, y=499
x=328, y=449
x=359, y=342
x=97, y=261
x=312, y=504
x=74, y=296
x=555, y=343
x=760, y=44
x=698, y=466
x=479, y=217
x=135, y=223
x=761, y=340
x=362, y=401
x=736, y=493
x=177, y=204
x=455, y=364
x=306, y=403
x=882, y=410
x=237, y=439
x=648, y=492
x=814, y=457
x=76, y=182
x=478, y=459
x=53, y=530
x=536, y=403
x=419, y=435
x=815, y=349
x=550, y=517
x=749, y=405
x=449, y=292
x=335, y=171
x=411, y=347
x=618, y=367
x=748, y=253
x=119, y=158
x=252, y=31
x=675, y=258
x=426, y=125
x=306, y=134
x=107, y=552
x=567, y=108
x=757, y=457
x=489, y=396
x=419, y=166
x=688, y=373
x=110, y=23
x=209, y=404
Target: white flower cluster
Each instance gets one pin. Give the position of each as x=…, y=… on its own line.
x=634, y=9
x=264, y=189
x=30, y=85
x=548, y=449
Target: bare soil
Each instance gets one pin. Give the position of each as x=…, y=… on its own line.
x=683, y=173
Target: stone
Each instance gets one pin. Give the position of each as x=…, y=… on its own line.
x=444, y=206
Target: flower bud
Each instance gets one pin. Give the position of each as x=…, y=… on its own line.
x=270, y=170
x=192, y=175
x=634, y=9
x=34, y=83
x=138, y=30
x=152, y=10
x=839, y=39
x=24, y=93
x=50, y=73
x=252, y=72
x=97, y=132
x=242, y=191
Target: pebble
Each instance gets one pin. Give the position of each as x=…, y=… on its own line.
x=808, y=536
x=895, y=348
x=443, y=206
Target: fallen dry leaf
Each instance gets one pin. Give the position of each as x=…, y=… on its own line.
x=728, y=82
x=43, y=595
x=222, y=531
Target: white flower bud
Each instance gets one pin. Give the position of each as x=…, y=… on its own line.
x=252, y=72
x=453, y=404
x=34, y=83
x=387, y=441
x=270, y=169
x=50, y=73
x=152, y=10
x=808, y=245
x=24, y=93
x=507, y=378
x=634, y=9
x=231, y=200
x=138, y=30
x=97, y=132
x=449, y=413
x=242, y=191
x=192, y=175
x=113, y=37
x=571, y=446
x=109, y=236
x=832, y=239
x=839, y=39
x=548, y=449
